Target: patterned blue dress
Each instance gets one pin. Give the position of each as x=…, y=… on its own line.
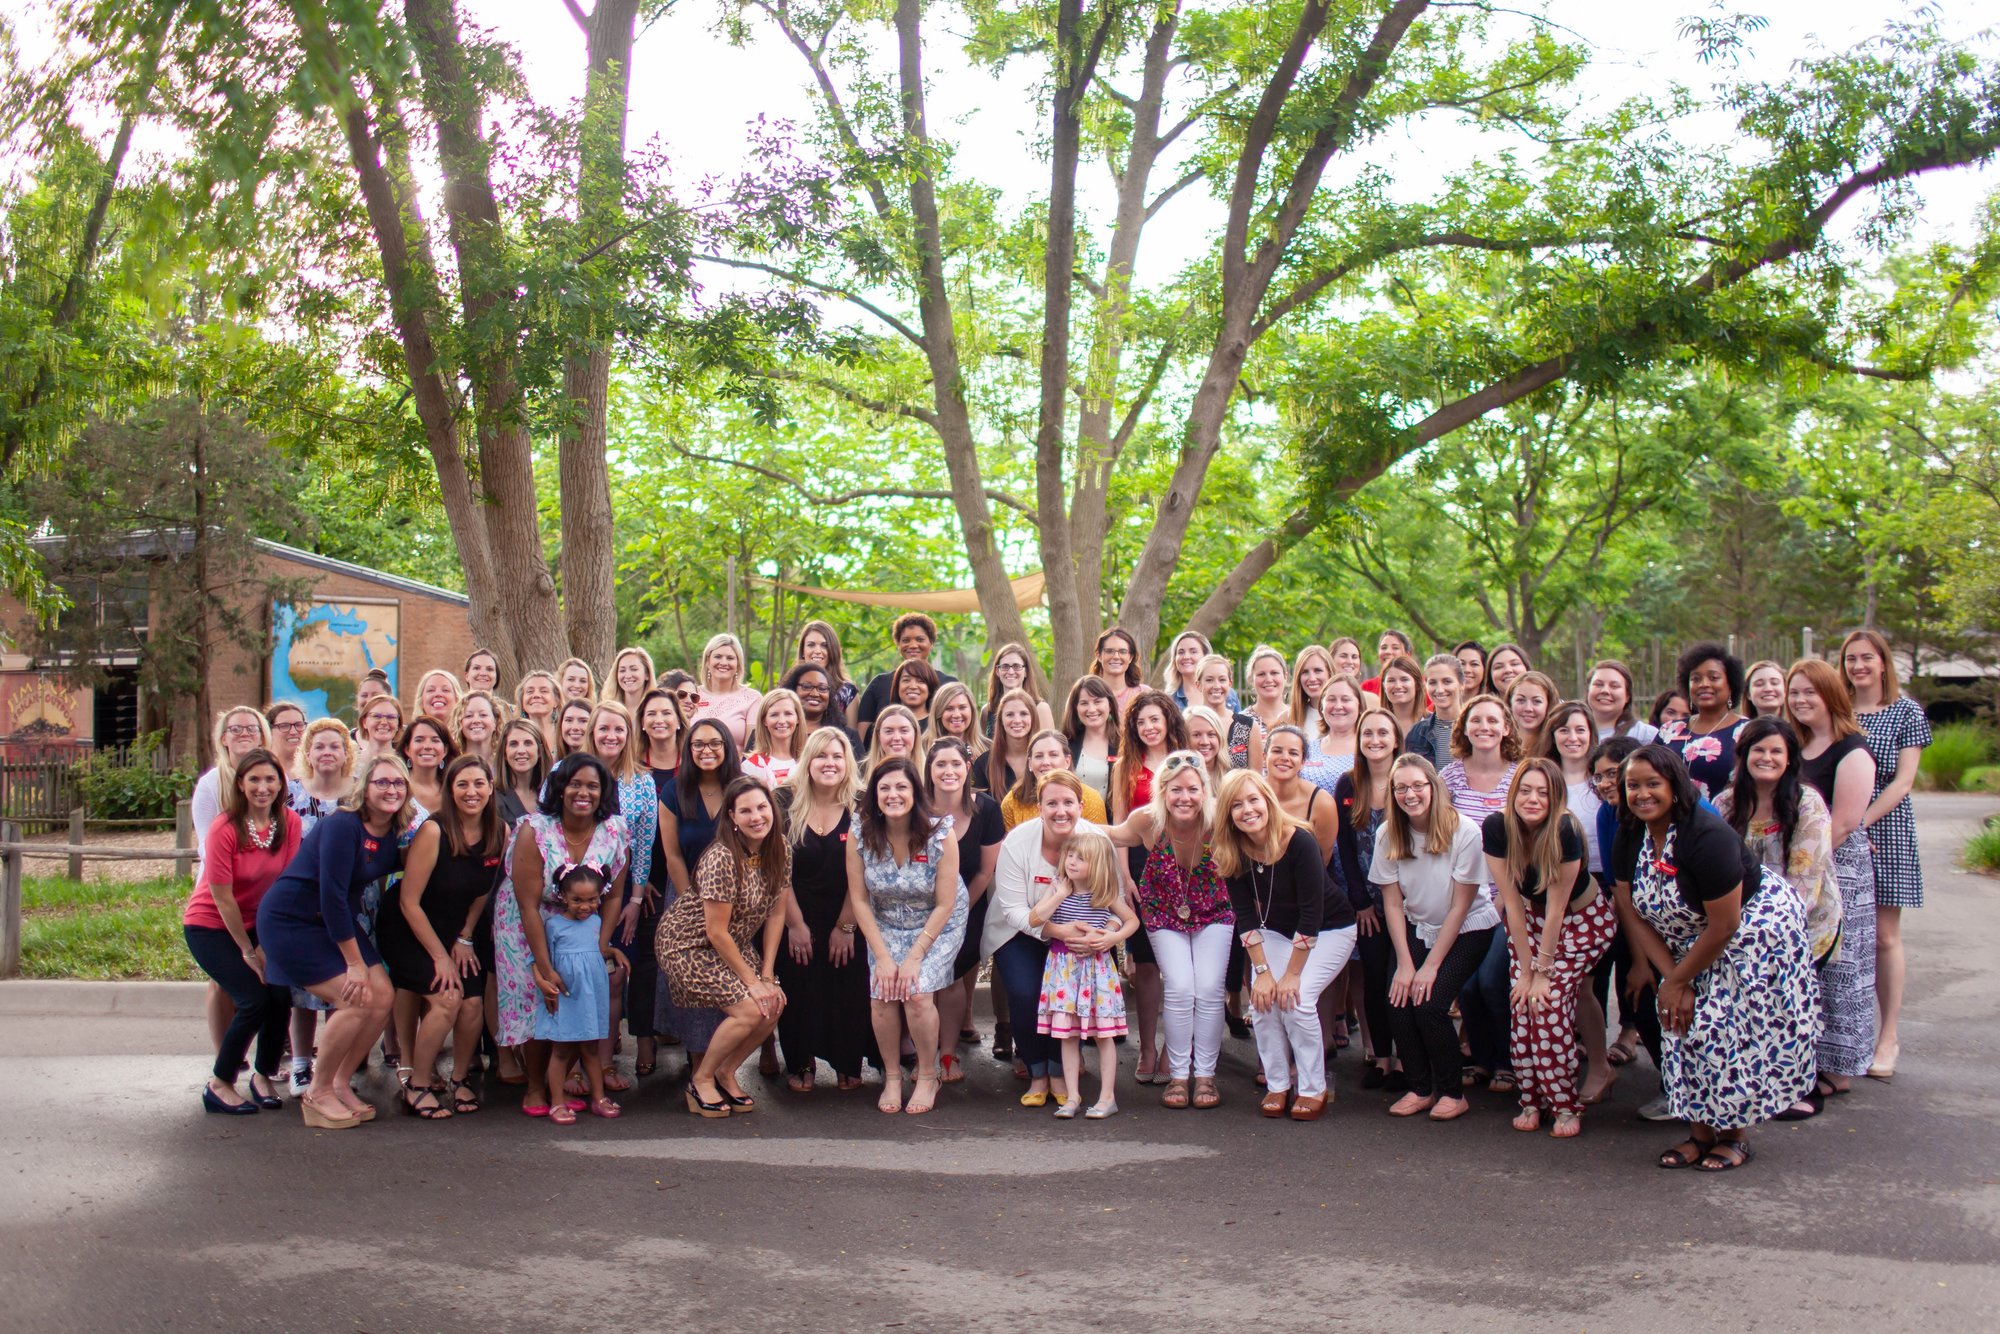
x=1749, y=1051
x=584, y=1015
x=903, y=896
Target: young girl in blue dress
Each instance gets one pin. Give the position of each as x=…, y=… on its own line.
x=1082, y=996
x=575, y=1022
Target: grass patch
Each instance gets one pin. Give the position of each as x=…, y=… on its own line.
x=104, y=932
x=1981, y=778
x=1982, y=850
x=1954, y=749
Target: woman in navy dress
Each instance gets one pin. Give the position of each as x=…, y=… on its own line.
x=306, y=925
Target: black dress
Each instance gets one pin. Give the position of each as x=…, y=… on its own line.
x=982, y=831
x=457, y=882
x=826, y=1008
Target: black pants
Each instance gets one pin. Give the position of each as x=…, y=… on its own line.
x=642, y=984
x=262, y=1010
x=1425, y=1038
x=1378, y=964
x=1642, y=1014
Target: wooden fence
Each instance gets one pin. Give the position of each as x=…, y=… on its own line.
x=15, y=852
x=38, y=788
x=1653, y=663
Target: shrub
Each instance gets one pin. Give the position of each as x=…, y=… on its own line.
x=1982, y=850
x=1955, y=748
x=1981, y=778
x=133, y=785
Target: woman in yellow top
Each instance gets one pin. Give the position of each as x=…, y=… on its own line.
x=1047, y=751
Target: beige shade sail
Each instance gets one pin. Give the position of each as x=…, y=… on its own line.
x=1027, y=592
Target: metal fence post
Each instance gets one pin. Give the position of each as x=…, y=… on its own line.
x=184, y=837
x=76, y=841
x=10, y=900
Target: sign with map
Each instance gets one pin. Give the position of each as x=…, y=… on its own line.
x=319, y=654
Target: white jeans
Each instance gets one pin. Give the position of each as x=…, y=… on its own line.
x=1288, y=1039
x=1193, y=967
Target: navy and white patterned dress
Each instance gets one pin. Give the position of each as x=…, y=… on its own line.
x=1748, y=1052
x=1899, y=875
x=903, y=896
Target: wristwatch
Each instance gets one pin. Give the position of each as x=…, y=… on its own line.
x=1258, y=970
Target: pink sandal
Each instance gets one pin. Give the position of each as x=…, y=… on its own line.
x=562, y=1115
x=605, y=1108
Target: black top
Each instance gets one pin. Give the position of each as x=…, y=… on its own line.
x=1291, y=898
x=982, y=774
x=1820, y=772
x=1710, y=859
x=819, y=878
x=457, y=882
x=876, y=697
x=663, y=782
x=1349, y=867
x=982, y=831
x=1569, y=834
x=512, y=809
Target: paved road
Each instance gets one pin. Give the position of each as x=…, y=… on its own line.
x=121, y=1206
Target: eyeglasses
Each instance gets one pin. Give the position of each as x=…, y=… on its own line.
x=242, y=729
x=707, y=746
x=805, y=689
x=387, y=784
x=1609, y=776
x=1410, y=789
x=290, y=729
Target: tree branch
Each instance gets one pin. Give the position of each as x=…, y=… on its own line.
x=831, y=289
x=1160, y=201
x=830, y=498
x=854, y=396
x=576, y=12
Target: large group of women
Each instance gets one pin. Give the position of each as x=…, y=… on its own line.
x=1447, y=863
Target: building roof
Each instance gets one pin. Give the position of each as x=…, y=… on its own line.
x=156, y=541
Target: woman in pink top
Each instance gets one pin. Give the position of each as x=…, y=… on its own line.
x=248, y=845
x=724, y=697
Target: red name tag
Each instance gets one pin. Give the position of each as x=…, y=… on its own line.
x=371, y=845
x=920, y=858
x=492, y=861
x=1043, y=880
x=843, y=838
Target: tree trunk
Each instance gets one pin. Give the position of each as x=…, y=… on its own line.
x=589, y=557
x=968, y=489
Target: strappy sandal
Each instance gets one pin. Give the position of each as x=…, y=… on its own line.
x=615, y=1082
x=891, y=1100
x=918, y=1103
x=1528, y=1120
x=463, y=1101
x=1205, y=1096
x=562, y=1115
x=1717, y=1158
x=1503, y=1081
x=799, y=1083
x=1679, y=1157
x=1621, y=1052
x=954, y=1069
x=435, y=1111
x=1176, y=1096
x=1568, y=1125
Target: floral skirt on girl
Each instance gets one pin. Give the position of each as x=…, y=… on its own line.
x=1081, y=995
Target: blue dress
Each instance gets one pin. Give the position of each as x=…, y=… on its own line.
x=584, y=1015
x=316, y=902
x=904, y=896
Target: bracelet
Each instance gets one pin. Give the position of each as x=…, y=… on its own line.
x=465, y=941
x=846, y=929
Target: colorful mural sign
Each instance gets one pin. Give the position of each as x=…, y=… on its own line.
x=318, y=655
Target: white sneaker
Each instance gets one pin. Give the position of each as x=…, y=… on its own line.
x=302, y=1076
x=1657, y=1110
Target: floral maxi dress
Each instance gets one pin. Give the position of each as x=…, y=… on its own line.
x=513, y=964
x=1748, y=1052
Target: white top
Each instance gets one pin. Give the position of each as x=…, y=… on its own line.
x=1583, y=804
x=1426, y=881
x=1641, y=731
x=207, y=801
x=1021, y=879
x=770, y=771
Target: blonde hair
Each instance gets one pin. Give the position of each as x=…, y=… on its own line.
x=1100, y=860
x=875, y=735
x=457, y=690
x=357, y=800
x=628, y=761
x=302, y=770
x=1168, y=678
x=225, y=768
x=1299, y=702
x=1232, y=848
x=611, y=690
x=973, y=739
x=458, y=720
x=723, y=640
x=1891, y=689
x=760, y=735
x=590, y=679
x=1215, y=659
x=1250, y=667
x=1442, y=818
x=1170, y=767
x=1220, y=765
x=798, y=784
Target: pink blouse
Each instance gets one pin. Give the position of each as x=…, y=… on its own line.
x=734, y=710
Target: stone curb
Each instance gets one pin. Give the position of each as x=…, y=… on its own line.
x=141, y=1000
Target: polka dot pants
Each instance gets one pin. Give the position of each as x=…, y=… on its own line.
x=1543, y=1042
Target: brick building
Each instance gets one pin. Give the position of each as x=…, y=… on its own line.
x=349, y=619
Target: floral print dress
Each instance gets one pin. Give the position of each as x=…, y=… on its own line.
x=513, y=963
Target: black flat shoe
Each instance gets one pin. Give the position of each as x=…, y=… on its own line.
x=1237, y=1026
x=1396, y=1081
x=211, y=1103
x=1373, y=1076
x=270, y=1102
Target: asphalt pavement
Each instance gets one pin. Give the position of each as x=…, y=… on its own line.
x=122, y=1206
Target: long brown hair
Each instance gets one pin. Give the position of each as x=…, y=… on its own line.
x=1891, y=690
x=237, y=806
x=1443, y=817
x=1132, y=751
x=492, y=829
x=1540, y=847
x=774, y=853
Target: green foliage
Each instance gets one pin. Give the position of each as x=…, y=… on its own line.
x=1982, y=850
x=1956, y=748
x=104, y=931
x=1981, y=778
x=134, y=785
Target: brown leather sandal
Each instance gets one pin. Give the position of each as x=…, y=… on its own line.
x=1205, y=1096
x=1176, y=1096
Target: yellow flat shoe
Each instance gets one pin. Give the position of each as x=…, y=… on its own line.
x=1034, y=1099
